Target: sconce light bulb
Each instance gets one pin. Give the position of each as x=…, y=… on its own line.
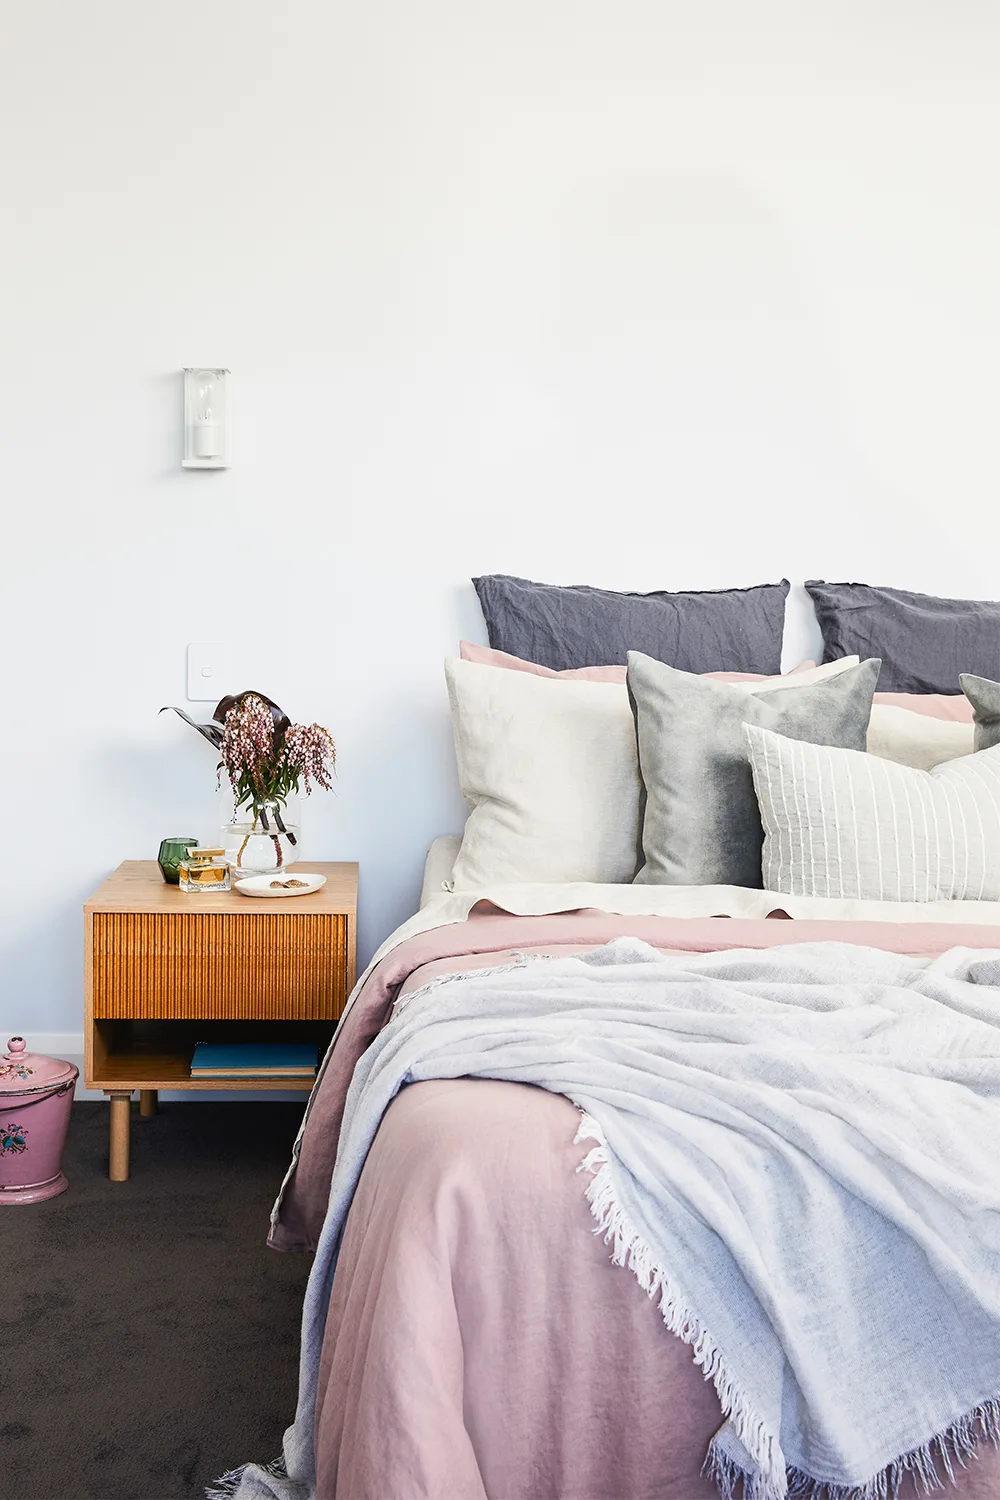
x=207, y=413
x=203, y=402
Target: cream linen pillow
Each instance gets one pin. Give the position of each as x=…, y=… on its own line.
x=549, y=773
x=912, y=739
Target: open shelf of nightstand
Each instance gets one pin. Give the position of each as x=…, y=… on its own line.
x=157, y=1054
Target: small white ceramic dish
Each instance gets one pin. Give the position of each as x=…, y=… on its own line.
x=261, y=885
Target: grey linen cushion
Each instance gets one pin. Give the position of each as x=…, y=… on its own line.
x=855, y=827
x=729, y=630
x=924, y=642
x=984, y=696
x=700, y=823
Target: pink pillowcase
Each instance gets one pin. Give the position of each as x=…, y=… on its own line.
x=957, y=709
x=487, y=657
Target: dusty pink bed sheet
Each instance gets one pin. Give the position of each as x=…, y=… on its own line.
x=479, y=1342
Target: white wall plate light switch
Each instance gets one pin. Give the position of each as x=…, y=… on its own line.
x=207, y=671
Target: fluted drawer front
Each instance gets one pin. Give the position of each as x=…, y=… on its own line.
x=173, y=966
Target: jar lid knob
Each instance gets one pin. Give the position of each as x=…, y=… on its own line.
x=16, y=1046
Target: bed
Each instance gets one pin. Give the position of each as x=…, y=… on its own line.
x=467, y=1334
x=479, y=1341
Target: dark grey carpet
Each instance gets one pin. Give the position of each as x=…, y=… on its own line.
x=150, y=1338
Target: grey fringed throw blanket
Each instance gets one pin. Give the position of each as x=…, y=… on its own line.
x=796, y=1154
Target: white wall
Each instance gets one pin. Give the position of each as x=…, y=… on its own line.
x=647, y=294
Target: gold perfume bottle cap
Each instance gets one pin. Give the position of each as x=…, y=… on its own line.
x=204, y=856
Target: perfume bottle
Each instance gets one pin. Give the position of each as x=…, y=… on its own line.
x=204, y=870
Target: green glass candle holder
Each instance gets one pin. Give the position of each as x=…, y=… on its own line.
x=172, y=851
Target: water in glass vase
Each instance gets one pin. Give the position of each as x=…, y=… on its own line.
x=261, y=845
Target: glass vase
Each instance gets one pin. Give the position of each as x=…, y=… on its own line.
x=263, y=845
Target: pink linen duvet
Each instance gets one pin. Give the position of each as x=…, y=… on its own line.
x=479, y=1342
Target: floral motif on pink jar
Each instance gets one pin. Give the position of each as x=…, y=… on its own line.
x=15, y=1069
x=12, y=1139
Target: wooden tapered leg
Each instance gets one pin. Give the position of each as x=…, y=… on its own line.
x=121, y=1109
x=149, y=1101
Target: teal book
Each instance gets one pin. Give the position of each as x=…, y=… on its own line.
x=254, y=1060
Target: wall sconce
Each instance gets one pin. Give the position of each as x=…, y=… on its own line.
x=205, y=436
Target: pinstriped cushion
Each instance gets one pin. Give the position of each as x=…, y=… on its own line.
x=845, y=824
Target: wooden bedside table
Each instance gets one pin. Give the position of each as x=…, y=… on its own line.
x=165, y=969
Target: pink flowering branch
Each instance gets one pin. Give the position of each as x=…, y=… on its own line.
x=265, y=756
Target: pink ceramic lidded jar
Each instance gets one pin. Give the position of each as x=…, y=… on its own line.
x=36, y=1095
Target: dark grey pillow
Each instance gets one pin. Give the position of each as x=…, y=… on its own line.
x=924, y=642
x=699, y=821
x=984, y=696
x=729, y=630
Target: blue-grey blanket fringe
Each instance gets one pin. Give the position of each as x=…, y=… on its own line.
x=930, y=1467
x=955, y=1447
x=228, y=1484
